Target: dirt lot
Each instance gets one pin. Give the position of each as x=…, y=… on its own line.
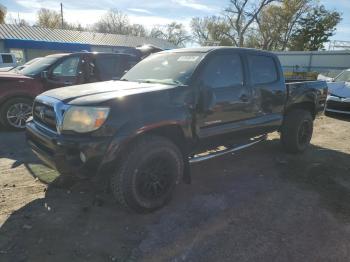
x=258, y=205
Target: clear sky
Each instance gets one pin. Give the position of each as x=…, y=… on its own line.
x=148, y=12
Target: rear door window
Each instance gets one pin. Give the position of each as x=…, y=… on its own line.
x=262, y=69
x=109, y=67
x=7, y=59
x=223, y=71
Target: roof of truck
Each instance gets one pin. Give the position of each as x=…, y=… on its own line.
x=208, y=49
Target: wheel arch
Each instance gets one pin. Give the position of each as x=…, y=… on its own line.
x=306, y=105
x=5, y=99
x=172, y=131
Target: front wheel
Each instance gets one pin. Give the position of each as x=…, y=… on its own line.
x=15, y=112
x=297, y=130
x=148, y=174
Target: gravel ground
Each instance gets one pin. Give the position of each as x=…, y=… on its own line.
x=257, y=205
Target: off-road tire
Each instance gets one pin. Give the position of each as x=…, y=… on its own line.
x=125, y=181
x=296, y=131
x=6, y=107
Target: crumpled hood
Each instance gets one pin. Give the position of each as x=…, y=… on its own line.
x=13, y=76
x=95, y=93
x=341, y=89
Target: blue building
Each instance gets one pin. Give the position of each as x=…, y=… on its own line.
x=28, y=42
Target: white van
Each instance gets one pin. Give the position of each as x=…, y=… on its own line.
x=7, y=60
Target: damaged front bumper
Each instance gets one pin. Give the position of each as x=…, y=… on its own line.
x=71, y=155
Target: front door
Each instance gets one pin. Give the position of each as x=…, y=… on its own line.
x=65, y=73
x=230, y=99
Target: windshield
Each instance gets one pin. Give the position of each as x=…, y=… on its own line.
x=38, y=66
x=343, y=77
x=165, y=68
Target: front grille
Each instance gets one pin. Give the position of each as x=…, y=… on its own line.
x=341, y=106
x=44, y=115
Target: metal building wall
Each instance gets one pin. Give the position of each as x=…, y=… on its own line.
x=315, y=61
x=2, y=47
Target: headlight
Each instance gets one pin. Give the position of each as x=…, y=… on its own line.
x=84, y=119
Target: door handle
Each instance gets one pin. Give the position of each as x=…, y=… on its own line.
x=244, y=98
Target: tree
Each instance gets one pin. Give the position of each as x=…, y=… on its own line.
x=174, y=33
x=276, y=23
x=17, y=21
x=210, y=31
x=116, y=22
x=3, y=12
x=315, y=29
x=49, y=18
x=72, y=26
x=240, y=15
x=137, y=30
x=113, y=22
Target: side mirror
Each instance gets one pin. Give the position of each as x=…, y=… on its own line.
x=44, y=75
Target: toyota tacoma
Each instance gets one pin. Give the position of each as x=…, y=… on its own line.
x=172, y=109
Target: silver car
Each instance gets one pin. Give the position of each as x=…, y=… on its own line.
x=338, y=100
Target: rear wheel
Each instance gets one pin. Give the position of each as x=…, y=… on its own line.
x=148, y=174
x=15, y=112
x=297, y=130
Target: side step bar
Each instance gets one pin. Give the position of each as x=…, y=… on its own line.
x=197, y=159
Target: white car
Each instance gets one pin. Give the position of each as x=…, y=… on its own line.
x=338, y=100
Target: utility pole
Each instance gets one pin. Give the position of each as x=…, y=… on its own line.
x=61, y=16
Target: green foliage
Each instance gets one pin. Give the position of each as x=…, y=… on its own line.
x=315, y=29
x=277, y=23
x=269, y=25
x=211, y=31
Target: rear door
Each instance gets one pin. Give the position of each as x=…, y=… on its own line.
x=65, y=72
x=268, y=87
x=223, y=80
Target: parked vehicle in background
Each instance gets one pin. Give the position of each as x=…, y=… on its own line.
x=19, y=67
x=7, y=61
x=6, y=69
x=18, y=88
x=144, y=131
x=338, y=100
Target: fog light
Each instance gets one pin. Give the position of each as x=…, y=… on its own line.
x=82, y=157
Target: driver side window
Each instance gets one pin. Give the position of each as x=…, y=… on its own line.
x=68, y=67
x=223, y=71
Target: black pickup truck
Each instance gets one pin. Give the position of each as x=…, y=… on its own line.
x=143, y=131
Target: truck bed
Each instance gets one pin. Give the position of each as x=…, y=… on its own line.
x=311, y=90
